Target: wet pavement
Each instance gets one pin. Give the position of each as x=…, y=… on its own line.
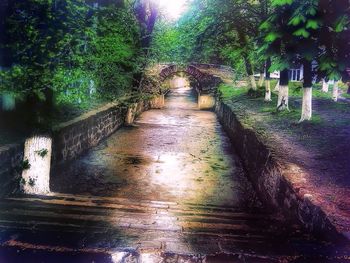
x=170, y=188
x=178, y=154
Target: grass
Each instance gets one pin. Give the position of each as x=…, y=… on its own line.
x=228, y=92
x=341, y=107
x=254, y=101
x=263, y=117
x=295, y=91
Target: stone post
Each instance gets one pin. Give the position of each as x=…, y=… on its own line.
x=36, y=165
x=158, y=102
x=206, y=101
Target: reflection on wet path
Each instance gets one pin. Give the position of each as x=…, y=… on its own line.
x=168, y=189
x=177, y=154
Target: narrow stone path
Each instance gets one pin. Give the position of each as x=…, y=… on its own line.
x=168, y=189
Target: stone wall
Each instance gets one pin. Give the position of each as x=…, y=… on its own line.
x=11, y=157
x=70, y=139
x=267, y=175
x=74, y=137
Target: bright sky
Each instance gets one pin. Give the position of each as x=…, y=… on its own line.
x=173, y=8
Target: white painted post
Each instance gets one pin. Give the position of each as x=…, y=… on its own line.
x=37, y=164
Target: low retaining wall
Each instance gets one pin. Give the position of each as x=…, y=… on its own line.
x=70, y=139
x=74, y=137
x=11, y=158
x=268, y=175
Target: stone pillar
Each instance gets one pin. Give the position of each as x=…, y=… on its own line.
x=158, y=102
x=36, y=165
x=131, y=114
x=206, y=101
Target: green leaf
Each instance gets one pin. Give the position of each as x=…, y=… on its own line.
x=341, y=24
x=40, y=95
x=272, y=36
x=311, y=11
x=279, y=65
x=301, y=32
x=265, y=26
x=281, y=2
x=296, y=20
x=313, y=24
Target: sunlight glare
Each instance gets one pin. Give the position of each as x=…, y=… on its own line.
x=173, y=8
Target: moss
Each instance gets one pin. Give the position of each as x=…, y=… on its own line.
x=25, y=165
x=42, y=153
x=31, y=182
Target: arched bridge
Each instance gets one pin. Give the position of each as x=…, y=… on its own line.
x=207, y=76
x=207, y=82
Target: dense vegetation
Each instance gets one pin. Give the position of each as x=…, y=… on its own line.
x=69, y=53
x=263, y=36
x=58, y=54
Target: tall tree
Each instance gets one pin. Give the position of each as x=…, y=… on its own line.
x=334, y=41
x=146, y=12
x=279, y=43
x=305, y=23
x=40, y=35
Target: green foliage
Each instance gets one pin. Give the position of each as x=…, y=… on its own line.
x=77, y=51
x=40, y=35
x=31, y=182
x=25, y=165
x=42, y=153
x=312, y=24
x=272, y=36
x=228, y=92
x=115, y=51
x=301, y=32
x=341, y=24
x=281, y=2
x=210, y=32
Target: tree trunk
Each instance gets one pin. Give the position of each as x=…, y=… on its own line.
x=348, y=92
x=268, y=80
x=250, y=73
x=335, y=91
x=267, y=90
x=277, y=87
x=252, y=82
x=131, y=114
x=325, y=86
x=261, y=80
x=146, y=12
x=262, y=77
x=283, y=94
x=37, y=162
x=306, y=111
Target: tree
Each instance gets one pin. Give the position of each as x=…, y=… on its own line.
x=115, y=54
x=40, y=34
x=334, y=41
x=279, y=43
x=212, y=33
x=305, y=23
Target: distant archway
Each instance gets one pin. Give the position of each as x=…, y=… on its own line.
x=207, y=83
x=206, y=87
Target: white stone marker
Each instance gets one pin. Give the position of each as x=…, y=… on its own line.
x=37, y=155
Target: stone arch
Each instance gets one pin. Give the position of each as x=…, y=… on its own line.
x=207, y=83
